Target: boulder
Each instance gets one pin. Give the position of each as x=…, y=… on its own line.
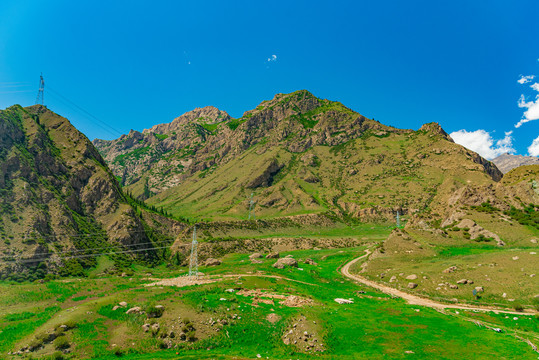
x=212, y=262
x=454, y=287
x=255, y=256
x=479, y=289
x=282, y=263
x=134, y=310
x=123, y=303
x=273, y=255
x=450, y=270
x=309, y=261
x=116, y=307
x=393, y=279
x=411, y=277
x=412, y=285
x=462, y=281
x=146, y=327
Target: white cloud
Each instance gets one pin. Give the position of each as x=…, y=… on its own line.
x=482, y=142
x=533, y=110
x=525, y=79
x=533, y=149
x=272, y=58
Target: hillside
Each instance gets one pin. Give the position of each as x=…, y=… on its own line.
x=58, y=198
x=297, y=154
x=508, y=162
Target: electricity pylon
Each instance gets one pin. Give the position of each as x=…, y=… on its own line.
x=193, y=261
x=41, y=90
x=251, y=207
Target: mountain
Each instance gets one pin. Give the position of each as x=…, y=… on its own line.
x=508, y=162
x=296, y=154
x=58, y=198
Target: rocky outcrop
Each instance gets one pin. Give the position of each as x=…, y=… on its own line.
x=508, y=162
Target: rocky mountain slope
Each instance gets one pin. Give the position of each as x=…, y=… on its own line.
x=297, y=154
x=58, y=198
x=508, y=162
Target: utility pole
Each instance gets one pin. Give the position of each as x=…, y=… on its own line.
x=41, y=90
x=251, y=207
x=193, y=261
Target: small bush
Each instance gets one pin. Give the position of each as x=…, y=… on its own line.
x=117, y=351
x=61, y=343
x=191, y=336
x=57, y=355
x=518, y=307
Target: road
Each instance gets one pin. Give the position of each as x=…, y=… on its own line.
x=418, y=300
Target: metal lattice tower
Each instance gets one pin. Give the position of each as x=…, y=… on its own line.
x=41, y=90
x=193, y=261
x=251, y=207
x=398, y=220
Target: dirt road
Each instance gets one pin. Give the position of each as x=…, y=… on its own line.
x=417, y=300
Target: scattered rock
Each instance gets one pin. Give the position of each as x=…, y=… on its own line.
x=212, y=262
x=310, y=261
x=123, y=303
x=479, y=289
x=393, y=279
x=450, y=270
x=116, y=307
x=344, y=301
x=283, y=262
x=273, y=255
x=411, y=277
x=155, y=328
x=412, y=285
x=453, y=286
x=462, y=281
x=134, y=310
x=515, y=257
x=146, y=327
x=255, y=256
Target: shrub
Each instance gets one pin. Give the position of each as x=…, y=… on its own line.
x=518, y=307
x=117, y=351
x=191, y=336
x=61, y=343
x=57, y=355
x=153, y=311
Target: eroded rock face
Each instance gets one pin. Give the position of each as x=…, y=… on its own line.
x=57, y=183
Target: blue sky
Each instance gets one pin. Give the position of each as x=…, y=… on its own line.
x=133, y=64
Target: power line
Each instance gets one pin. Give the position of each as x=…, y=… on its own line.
x=32, y=260
x=86, y=112
x=41, y=90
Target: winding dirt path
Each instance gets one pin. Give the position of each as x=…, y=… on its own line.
x=417, y=300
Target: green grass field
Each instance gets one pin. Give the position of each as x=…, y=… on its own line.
x=375, y=326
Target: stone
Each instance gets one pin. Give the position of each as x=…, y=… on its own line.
x=155, y=328
x=462, y=281
x=310, y=261
x=284, y=262
x=411, y=277
x=393, y=279
x=343, y=301
x=273, y=255
x=212, y=262
x=450, y=269
x=255, y=256
x=469, y=282
x=412, y=285
x=146, y=327
x=134, y=310
x=123, y=303
x=454, y=287
x=116, y=307
x=479, y=289
x=515, y=257
x=289, y=256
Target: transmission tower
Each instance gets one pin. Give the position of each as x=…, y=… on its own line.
x=398, y=219
x=251, y=207
x=193, y=261
x=41, y=90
